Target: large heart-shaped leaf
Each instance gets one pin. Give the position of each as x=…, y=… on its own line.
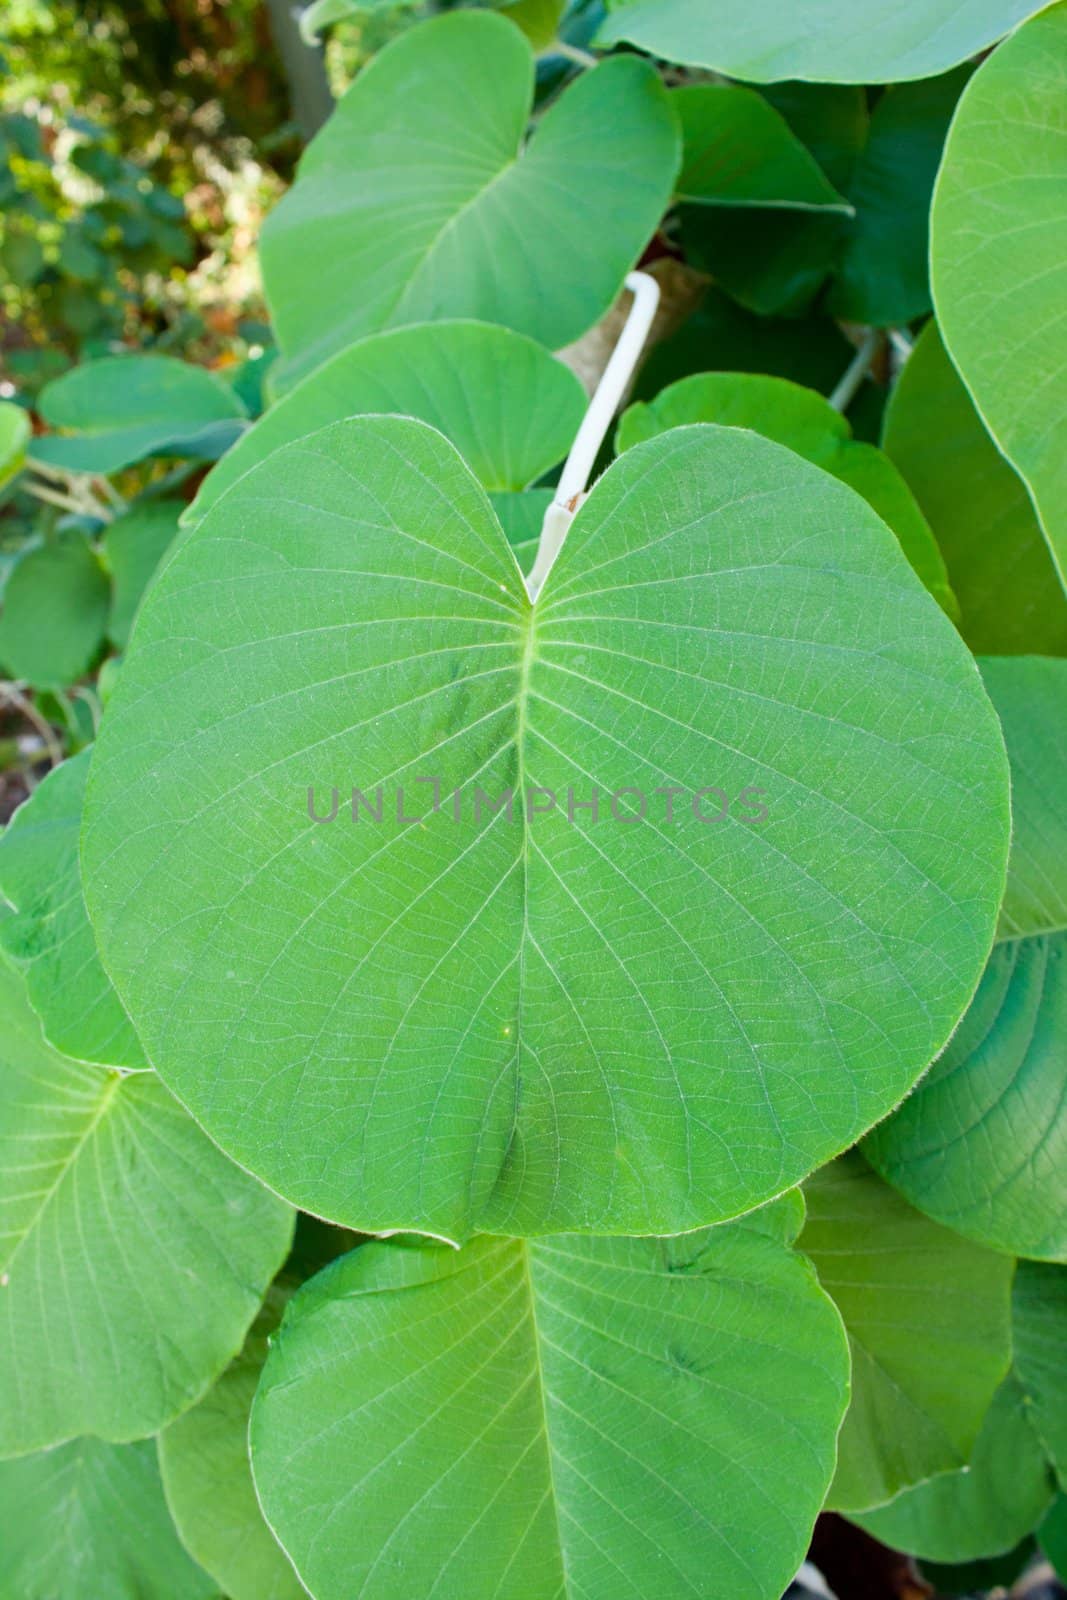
x=55, y=606
x=982, y=1142
x=805, y=422
x=87, y=1521
x=49, y=935
x=207, y=1477
x=982, y=1509
x=822, y=41
x=511, y=409
x=982, y=517
x=738, y=150
x=999, y=257
x=573, y=1417
x=133, y=1255
x=114, y=411
x=418, y=200
x=527, y=1016
x=928, y=1316
x=1040, y=1314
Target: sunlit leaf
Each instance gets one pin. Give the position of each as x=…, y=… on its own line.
x=14, y=439
x=599, y=1417
x=419, y=201
x=516, y=1024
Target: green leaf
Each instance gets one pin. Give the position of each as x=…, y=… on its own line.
x=538, y=19
x=418, y=200
x=555, y=1418
x=1030, y=696
x=14, y=438
x=133, y=1255
x=985, y=1508
x=511, y=409
x=928, y=1317
x=1040, y=1312
x=50, y=934
x=982, y=1142
x=55, y=606
x=737, y=150
x=999, y=258
x=134, y=545
x=882, y=274
x=822, y=41
x=771, y=262
x=803, y=421
x=88, y=1522
x=1052, y=1534
x=119, y=409
x=207, y=1477
x=494, y=1024
x=521, y=516
x=997, y=559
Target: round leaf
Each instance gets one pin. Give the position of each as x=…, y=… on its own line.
x=511, y=409
x=999, y=257
x=998, y=562
x=133, y=1255
x=822, y=41
x=419, y=201
x=118, y=409
x=524, y=1019
x=596, y=1417
x=985, y=1508
x=805, y=422
x=55, y=606
x=50, y=936
x=88, y=1521
x=928, y=1317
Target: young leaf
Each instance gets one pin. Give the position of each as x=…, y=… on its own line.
x=997, y=559
x=207, y=1477
x=984, y=1508
x=119, y=409
x=134, y=546
x=511, y=409
x=87, y=1521
x=999, y=257
x=14, y=438
x=928, y=1317
x=1030, y=696
x=419, y=201
x=50, y=936
x=55, y=606
x=1040, y=1317
x=737, y=150
x=133, y=1255
x=822, y=41
x=598, y=1417
x=528, y=1019
x=981, y=1144
x=805, y=422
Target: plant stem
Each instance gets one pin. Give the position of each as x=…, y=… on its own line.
x=595, y=424
x=856, y=371
x=13, y=694
x=582, y=58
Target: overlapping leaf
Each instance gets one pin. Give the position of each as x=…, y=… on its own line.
x=134, y=545
x=999, y=257
x=55, y=606
x=49, y=935
x=87, y=1521
x=605, y=1418
x=1040, y=1312
x=418, y=199
x=14, y=439
x=982, y=517
x=805, y=422
x=738, y=150
x=118, y=409
x=824, y=41
x=509, y=407
x=928, y=1316
x=133, y=1255
x=512, y=1021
